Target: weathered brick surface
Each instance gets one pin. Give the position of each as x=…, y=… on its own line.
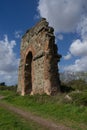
x=38, y=70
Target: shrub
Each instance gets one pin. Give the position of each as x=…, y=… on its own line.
x=2, y=87
x=79, y=98
x=66, y=88
x=12, y=88
x=78, y=84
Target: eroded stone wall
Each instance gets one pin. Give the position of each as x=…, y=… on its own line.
x=39, y=41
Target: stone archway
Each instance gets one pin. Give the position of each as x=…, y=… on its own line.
x=28, y=73
x=38, y=70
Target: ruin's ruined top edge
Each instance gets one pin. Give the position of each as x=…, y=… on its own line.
x=37, y=28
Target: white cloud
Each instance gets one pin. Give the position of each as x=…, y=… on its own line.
x=79, y=65
x=59, y=36
x=82, y=27
x=8, y=61
x=68, y=56
x=79, y=48
x=18, y=34
x=63, y=15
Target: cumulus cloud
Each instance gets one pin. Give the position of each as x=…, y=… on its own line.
x=63, y=15
x=8, y=61
x=18, y=34
x=82, y=27
x=79, y=65
x=59, y=37
x=68, y=56
x=79, y=49
x=79, y=46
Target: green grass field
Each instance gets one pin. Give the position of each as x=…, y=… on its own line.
x=50, y=107
x=10, y=121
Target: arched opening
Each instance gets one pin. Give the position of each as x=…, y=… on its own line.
x=28, y=73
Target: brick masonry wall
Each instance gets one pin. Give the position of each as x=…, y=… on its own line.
x=38, y=61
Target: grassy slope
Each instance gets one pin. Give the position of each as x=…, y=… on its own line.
x=49, y=107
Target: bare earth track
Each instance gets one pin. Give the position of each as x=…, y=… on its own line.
x=29, y=116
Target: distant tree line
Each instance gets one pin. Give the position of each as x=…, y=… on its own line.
x=3, y=86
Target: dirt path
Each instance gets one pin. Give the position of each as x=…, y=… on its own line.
x=29, y=116
x=1, y=97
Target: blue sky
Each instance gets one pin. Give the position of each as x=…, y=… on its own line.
x=69, y=19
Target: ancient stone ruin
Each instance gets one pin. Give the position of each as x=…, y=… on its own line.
x=38, y=69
